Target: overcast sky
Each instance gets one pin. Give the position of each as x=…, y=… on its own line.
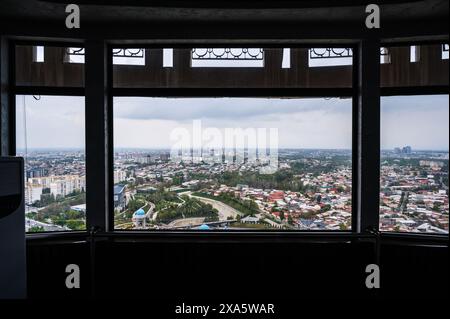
x=301, y=123
x=419, y=121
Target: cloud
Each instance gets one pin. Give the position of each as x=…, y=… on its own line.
x=237, y=109
x=50, y=122
x=302, y=123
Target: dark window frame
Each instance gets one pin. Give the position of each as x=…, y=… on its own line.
x=359, y=57
x=350, y=92
x=410, y=91
x=15, y=90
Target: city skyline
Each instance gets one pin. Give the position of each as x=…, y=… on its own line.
x=421, y=122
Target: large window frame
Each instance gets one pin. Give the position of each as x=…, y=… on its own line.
x=99, y=70
x=350, y=92
x=410, y=91
x=17, y=90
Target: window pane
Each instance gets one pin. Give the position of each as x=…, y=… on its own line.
x=232, y=163
x=234, y=68
x=131, y=56
x=414, y=163
x=50, y=136
x=444, y=54
x=75, y=55
x=320, y=57
x=38, y=54
x=227, y=57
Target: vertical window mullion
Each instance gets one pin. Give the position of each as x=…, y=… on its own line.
x=368, y=135
x=97, y=169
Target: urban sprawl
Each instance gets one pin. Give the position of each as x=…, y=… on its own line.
x=310, y=190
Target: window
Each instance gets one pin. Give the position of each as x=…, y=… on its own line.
x=414, y=164
x=444, y=54
x=168, y=58
x=234, y=68
x=50, y=137
x=38, y=54
x=385, y=55
x=232, y=163
x=286, y=62
x=75, y=55
x=130, y=56
x=227, y=57
x=326, y=57
x=414, y=54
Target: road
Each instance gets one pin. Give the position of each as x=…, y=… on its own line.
x=149, y=213
x=29, y=223
x=186, y=222
x=224, y=210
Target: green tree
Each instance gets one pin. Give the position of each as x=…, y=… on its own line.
x=36, y=229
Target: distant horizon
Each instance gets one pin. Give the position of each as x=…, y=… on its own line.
x=168, y=149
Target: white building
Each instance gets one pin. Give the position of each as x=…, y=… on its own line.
x=64, y=185
x=32, y=193
x=140, y=218
x=119, y=176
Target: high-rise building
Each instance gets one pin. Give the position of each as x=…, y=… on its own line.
x=406, y=150
x=37, y=172
x=60, y=185
x=32, y=193
x=119, y=176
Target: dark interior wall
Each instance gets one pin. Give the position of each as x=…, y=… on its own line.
x=4, y=86
x=136, y=269
x=415, y=271
x=54, y=71
x=430, y=69
x=210, y=270
x=325, y=22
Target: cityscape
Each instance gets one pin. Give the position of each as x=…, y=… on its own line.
x=414, y=191
x=55, y=190
x=311, y=190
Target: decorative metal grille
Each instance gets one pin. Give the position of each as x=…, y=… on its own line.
x=125, y=53
x=128, y=53
x=227, y=54
x=75, y=51
x=326, y=53
x=384, y=51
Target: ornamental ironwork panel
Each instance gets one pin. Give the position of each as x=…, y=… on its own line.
x=125, y=53
x=128, y=53
x=384, y=51
x=227, y=54
x=326, y=53
x=75, y=51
